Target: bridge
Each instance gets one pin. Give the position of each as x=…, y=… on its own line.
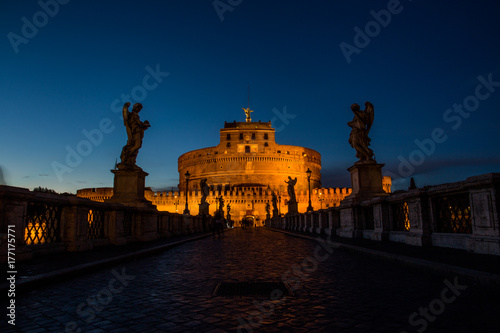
x=423, y=260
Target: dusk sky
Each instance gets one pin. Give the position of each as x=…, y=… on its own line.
x=431, y=69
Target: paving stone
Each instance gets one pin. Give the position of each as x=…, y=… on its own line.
x=171, y=292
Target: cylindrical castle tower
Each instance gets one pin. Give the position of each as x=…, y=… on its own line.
x=248, y=156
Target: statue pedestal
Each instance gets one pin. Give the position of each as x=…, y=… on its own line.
x=204, y=208
x=292, y=208
x=366, y=181
x=128, y=188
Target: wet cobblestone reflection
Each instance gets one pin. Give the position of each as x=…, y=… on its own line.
x=171, y=292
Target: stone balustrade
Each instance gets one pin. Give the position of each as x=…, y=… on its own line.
x=50, y=223
x=463, y=215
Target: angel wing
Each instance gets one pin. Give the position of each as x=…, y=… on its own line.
x=125, y=114
x=370, y=115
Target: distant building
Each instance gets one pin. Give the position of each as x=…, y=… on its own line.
x=245, y=168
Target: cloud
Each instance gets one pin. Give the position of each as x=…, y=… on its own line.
x=43, y=175
x=432, y=171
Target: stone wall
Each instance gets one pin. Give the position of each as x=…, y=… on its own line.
x=49, y=223
x=463, y=215
x=244, y=201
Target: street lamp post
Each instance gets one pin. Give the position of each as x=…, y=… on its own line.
x=309, y=172
x=320, y=198
x=176, y=202
x=187, y=175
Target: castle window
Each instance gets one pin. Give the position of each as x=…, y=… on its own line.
x=253, y=136
x=266, y=144
x=279, y=152
x=247, y=149
x=241, y=136
x=266, y=137
x=228, y=144
x=228, y=136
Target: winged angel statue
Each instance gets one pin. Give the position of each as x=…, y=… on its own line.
x=361, y=124
x=135, y=133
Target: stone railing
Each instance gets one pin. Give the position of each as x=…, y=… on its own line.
x=48, y=223
x=463, y=215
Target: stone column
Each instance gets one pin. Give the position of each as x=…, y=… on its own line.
x=115, y=227
x=381, y=221
x=320, y=223
x=485, y=217
x=420, y=220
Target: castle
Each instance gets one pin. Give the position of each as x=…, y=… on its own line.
x=245, y=168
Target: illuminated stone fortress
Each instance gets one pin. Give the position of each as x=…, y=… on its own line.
x=245, y=168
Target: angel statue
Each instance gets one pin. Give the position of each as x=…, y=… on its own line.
x=205, y=190
x=291, y=190
x=275, y=201
x=135, y=132
x=361, y=124
x=247, y=113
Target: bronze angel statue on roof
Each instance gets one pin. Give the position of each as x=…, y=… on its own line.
x=361, y=125
x=135, y=133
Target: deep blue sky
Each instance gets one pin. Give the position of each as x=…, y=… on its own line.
x=66, y=78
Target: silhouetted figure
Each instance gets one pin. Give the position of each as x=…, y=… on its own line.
x=361, y=125
x=291, y=190
x=205, y=190
x=218, y=225
x=135, y=133
x=221, y=206
x=275, y=205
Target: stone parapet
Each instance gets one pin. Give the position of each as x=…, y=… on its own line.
x=49, y=223
x=462, y=215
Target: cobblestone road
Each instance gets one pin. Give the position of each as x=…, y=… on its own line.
x=338, y=292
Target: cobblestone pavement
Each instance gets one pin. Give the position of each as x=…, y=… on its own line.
x=334, y=292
